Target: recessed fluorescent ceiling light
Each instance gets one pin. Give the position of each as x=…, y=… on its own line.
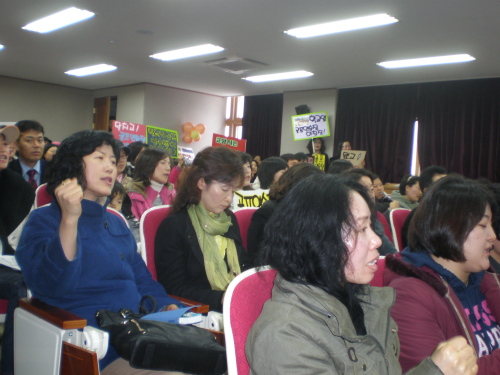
x=1, y=46
x=450, y=59
x=57, y=20
x=340, y=26
x=279, y=76
x=187, y=52
x=94, y=69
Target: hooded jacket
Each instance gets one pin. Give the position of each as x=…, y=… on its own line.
x=304, y=330
x=403, y=201
x=429, y=311
x=143, y=197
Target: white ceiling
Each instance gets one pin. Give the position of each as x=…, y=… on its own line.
x=125, y=32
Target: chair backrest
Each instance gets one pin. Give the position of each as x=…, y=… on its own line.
x=397, y=218
x=150, y=221
x=385, y=224
x=378, y=279
x=117, y=213
x=244, y=217
x=243, y=304
x=41, y=196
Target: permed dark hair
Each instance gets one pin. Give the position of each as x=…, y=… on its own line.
x=290, y=178
x=68, y=161
x=267, y=170
x=212, y=164
x=318, y=257
x=146, y=163
x=449, y=211
x=408, y=180
x=340, y=165
x=27, y=125
x=311, y=149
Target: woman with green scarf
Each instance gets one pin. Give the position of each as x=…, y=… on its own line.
x=198, y=247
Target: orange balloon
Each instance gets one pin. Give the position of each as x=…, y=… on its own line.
x=187, y=138
x=187, y=127
x=200, y=128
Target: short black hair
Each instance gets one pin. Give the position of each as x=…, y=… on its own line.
x=135, y=149
x=449, y=211
x=427, y=175
x=340, y=165
x=27, y=125
x=267, y=170
x=117, y=189
x=357, y=173
x=408, y=180
x=68, y=161
x=288, y=156
x=300, y=156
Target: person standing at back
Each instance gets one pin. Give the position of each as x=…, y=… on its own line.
x=30, y=146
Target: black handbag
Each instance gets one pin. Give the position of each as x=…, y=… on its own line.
x=154, y=345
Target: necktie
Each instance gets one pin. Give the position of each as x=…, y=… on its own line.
x=32, y=181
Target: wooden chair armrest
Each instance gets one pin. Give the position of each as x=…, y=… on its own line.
x=201, y=309
x=55, y=315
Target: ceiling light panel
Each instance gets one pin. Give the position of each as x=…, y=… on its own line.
x=436, y=60
x=94, y=69
x=341, y=26
x=187, y=52
x=1, y=47
x=58, y=20
x=279, y=76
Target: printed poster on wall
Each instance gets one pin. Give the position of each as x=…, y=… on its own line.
x=229, y=142
x=310, y=125
x=161, y=138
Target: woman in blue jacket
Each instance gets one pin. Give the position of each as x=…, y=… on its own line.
x=73, y=253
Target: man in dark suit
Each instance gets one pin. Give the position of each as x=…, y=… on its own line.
x=30, y=146
x=16, y=198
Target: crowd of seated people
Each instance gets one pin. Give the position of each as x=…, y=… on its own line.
x=199, y=250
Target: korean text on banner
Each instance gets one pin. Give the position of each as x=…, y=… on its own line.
x=310, y=125
x=128, y=132
x=162, y=138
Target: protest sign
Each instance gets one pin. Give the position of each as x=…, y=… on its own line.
x=310, y=125
x=233, y=143
x=355, y=157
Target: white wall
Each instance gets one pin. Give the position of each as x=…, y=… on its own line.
x=130, y=106
x=317, y=101
x=170, y=108
x=61, y=110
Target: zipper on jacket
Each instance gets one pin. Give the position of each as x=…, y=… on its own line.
x=464, y=326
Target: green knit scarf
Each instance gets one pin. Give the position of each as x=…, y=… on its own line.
x=207, y=227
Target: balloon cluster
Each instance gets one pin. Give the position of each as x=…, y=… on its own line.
x=192, y=133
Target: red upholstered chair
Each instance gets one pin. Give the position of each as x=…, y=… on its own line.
x=397, y=219
x=41, y=196
x=378, y=279
x=243, y=304
x=150, y=221
x=385, y=224
x=244, y=217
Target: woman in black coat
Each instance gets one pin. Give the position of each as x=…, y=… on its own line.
x=198, y=247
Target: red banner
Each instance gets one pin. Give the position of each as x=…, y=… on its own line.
x=233, y=143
